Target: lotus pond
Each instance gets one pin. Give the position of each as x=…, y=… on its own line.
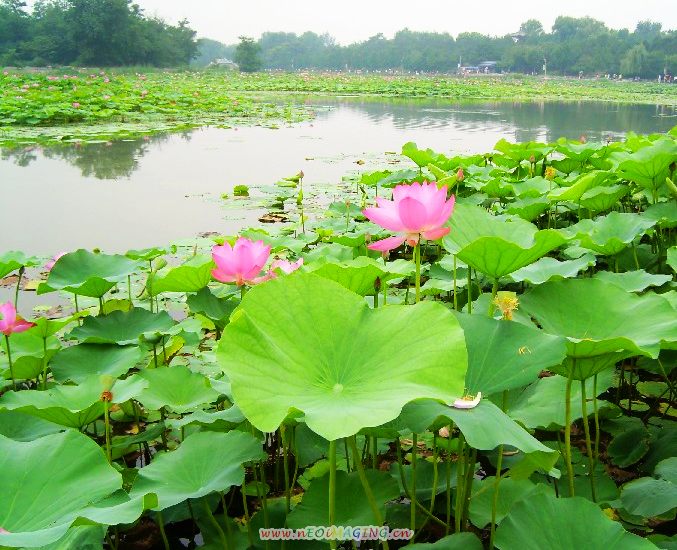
x=476, y=349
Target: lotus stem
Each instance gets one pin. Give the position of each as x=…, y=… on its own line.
x=18, y=286
x=246, y=516
x=77, y=308
x=469, y=289
x=332, y=488
x=285, y=465
x=374, y=453
x=435, y=473
x=9, y=360
x=106, y=419
x=455, y=289
x=494, y=290
x=412, y=495
x=494, y=502
x=367, y=489
x=129, y=290
x=460, y=471
x=100, y=305
x=212, y=519
x=448, y=489
x=161, y=526
x=417, y=259
x=149, y=284
x=588, y=444
x=44, y=363
x=596, y=416
x=467, y=487
x=567, y=429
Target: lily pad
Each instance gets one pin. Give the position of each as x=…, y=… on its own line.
x=544, y=521
x=77, y=363
x=548, y=268
x=177, y=388
x=633, y=281
x=650, y=497
x=88, y=274
x=360, y=274
x=191, y=276
x=495, y=246
x=306, y=343
x=206, y=462
x=122, y=327
x=503, y=355
x=609, y=234
x=13, y=260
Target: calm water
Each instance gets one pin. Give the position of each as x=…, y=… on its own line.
x=132, y=194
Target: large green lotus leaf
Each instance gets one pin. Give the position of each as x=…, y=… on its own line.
x=145, y=254
x=232, y=415
x=217, y=309
x=503, y=355
x=46, y=483
x=88, y=274
x=421, y=157
x=633, y=281
x=24, y=427
x=528, y=209
x=523, y=151
x=600, y=199
x=485, y=427
x=352, y=505
x=497, y=246
x=600, y=318
x=121, y=327
x=609, y=234
x=13, y=260
x=28, y=353
x=649, y=166
x=579, y=152
x=548, y=268
x=541, y=404
x=533, y=188
x=80, y=537
x=306, y=343
x=510, y=492
x=77, y=363
x=544, y=521
x=577, y=188
x=650, y=497
x=663, y=213
x=191, y=276
x=457, y=541
x=205, y=462
x=72, y=406
x=360, y=274
x=176, y=388
x=45, y=327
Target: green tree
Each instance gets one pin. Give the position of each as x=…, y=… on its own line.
x=247, y=55
x=634, y=61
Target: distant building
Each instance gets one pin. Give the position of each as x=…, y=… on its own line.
x=486, y=67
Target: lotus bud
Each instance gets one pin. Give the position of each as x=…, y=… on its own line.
x=460, y=176
x=444, y=432
x=507, y=302
x=377, y=284
x=107, y=382
x=532, y=159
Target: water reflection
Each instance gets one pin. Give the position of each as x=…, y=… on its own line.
x=169, y=187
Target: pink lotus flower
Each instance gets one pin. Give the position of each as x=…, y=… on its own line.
x=10, y=322
x=285, y=266
x=76, y=105
x=467, y=402
x=241, y=264
x=50, y=264
x=417, y=210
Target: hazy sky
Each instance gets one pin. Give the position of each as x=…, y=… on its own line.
x=354, y=20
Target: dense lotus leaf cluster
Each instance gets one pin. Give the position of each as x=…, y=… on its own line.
x=510, y=384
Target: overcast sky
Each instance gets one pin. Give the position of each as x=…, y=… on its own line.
x=355, y=20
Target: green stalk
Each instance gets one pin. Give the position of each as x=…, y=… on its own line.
x=492, y=306
x=417, y=259
x=149, y=284
x=18, y=284
x=596, y=414
x=469, y=289
x=455, y=289
x=494, y=502
x=106, y=419
x=212, y=519
x=412, y=495
x=129, y=289
x=161, y=525
x=9, y=359
x=332, y=487
x=246, y=516
x=467, y=488
x=100, y=305
x=44, y=363
x=285, y=463
x=567, y=429
x=588, y=444
x=448, y=489
x=367, y=489
x=460, y=466
x=374, y=453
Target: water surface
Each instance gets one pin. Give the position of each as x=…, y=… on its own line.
x=132, y=194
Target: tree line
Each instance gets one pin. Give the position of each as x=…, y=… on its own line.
x=573, y=45
x=90, y=32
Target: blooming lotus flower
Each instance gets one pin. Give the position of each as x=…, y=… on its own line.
x=50, y=264
x=241, y=264
x=76, y=105
x=10, y=322
x=285, y=266
x=417, y=210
